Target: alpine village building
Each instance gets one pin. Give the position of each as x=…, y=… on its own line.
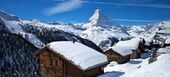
x=116, y=56
x=70, y=59
x=123, y=51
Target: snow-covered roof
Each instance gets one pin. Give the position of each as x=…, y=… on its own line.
x=148, y=41
x=122, y=50
x=167, y=40
x=163, y=50
x=132, y=44
x=79, y=54
x=166, y=31
x=138, y=39
x=125, y=47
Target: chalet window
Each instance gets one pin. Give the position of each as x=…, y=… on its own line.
x=110, y=53
x=55, y=62
x=51, y=62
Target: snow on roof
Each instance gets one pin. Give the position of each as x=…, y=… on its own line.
x=79, y=54
x=132, y=44
x=163, y=50
x=147, y=39
x=122, y=50
x=138, y=39
x=125, y=47
x=167, y=31
x=167, y=40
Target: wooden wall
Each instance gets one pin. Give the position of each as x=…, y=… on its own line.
x=135, y=54
x=93, y=73
x=51, y=65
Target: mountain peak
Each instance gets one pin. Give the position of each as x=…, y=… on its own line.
x=98, y=19
x=96, y=15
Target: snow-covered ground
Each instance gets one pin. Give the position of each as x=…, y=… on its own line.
x=140, y=68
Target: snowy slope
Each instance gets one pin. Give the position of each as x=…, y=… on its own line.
x=137, y=31
x=140, y=68
x=14, y=25
x=160, y=31
x=160, y=68
x=8, y=16
x=67, y=27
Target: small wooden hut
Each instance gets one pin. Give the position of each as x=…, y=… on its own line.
x=117, y=56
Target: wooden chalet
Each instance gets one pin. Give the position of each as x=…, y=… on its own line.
x=137, y=47
x=55, y=64
x=115, y=56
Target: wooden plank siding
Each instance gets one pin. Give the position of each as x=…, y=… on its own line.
x=136, y=53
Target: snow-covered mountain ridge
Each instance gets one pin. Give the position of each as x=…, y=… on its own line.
x=98, y=29
x=137, y=31
x=38, y=33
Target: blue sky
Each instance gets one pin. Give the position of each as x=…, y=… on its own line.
x=126, y=12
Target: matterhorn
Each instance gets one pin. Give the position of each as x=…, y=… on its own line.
x=100, y=28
